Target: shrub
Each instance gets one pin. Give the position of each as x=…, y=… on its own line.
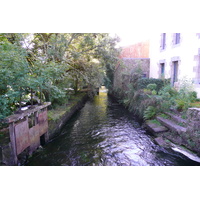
x=154, y=92
x=168, y=96
x=152, y=86
x=143, y=82
x=150, y=113
x=193, y=96
x=181, y=104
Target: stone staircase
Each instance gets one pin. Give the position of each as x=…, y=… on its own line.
x=173, y=122
x=178, y=134
x=168, y=122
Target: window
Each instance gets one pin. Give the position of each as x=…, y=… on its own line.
x=163, y=40
x=162, y=70
x=177, y=38
x=144, y=75
x=175, y=72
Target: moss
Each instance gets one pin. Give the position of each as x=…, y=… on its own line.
x=164, y=116
x=154, y=121
x=59, y=111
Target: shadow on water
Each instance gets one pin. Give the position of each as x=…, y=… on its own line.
x=103, y=133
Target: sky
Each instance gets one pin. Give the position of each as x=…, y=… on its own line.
x=130, y=38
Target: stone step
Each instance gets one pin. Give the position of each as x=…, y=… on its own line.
x=171, y=125
x=176, y=118
x=155, y=128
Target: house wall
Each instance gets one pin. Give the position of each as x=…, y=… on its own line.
x=187, y=53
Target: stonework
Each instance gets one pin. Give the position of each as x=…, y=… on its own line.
x=134, y=58
x=193, y=117
x=130, y=66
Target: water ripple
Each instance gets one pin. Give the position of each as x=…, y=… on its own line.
x=105, y=134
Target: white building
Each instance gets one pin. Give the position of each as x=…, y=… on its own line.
x=176, y=56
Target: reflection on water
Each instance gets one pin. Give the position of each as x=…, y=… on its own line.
x=103, y=133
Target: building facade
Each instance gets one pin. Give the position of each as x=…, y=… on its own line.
x=176, y=56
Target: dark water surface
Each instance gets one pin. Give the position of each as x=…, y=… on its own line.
x=103, y=133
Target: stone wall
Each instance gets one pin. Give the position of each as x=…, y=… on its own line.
x=193, y=118
x=128, y=67
x=192, y=135
x=56, y=126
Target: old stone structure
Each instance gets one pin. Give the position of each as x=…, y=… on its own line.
x=193, y=119
x=27, y=131
x=129, y=67
x=134, y=58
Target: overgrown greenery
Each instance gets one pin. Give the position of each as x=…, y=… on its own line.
x=45, y=66
x=144, y=82
x=149, y=97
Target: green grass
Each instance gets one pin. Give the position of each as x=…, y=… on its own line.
x=164, y=116
x=59, y=111
x=154, y=121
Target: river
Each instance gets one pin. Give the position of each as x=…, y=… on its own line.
x=103, y=133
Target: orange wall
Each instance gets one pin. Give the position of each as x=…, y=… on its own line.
x=139, y=50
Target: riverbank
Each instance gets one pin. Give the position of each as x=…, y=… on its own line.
x=103, y=133
x=60, y=115
x=57, y=117
x=185, y=141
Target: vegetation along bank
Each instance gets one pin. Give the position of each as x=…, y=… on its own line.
x=171, y=115
x=51, y=67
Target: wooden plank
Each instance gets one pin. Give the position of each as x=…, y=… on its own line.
x=22, y=136
x=13, y=141
x=43, y=122
x=34, y=135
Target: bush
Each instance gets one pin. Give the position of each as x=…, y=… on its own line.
x=193, y=96
x=168, y=96
x=144, y=82
x=152, y=86
x=181, y=104
x=150, y=113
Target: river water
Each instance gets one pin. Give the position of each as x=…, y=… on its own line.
x=103, y=133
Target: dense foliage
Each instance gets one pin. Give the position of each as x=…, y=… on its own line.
x=46, y=66
x=147, y=98
x=144, y=82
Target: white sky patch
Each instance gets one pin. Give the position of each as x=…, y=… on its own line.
x=130, y=38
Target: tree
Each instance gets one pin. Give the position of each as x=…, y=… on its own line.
x=47, y=63
x=13, y=75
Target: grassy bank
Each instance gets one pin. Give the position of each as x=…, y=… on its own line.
x=58, y=116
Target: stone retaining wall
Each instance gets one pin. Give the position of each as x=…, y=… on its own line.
x=56, y=126
x=193, y=120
